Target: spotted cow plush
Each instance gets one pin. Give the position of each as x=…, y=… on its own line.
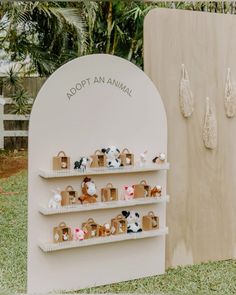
x=112, y=154
x=133, y=221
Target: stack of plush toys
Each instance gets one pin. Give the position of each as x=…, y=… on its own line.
x=126, y=222
x=131, y=219
x=112, y=154
x=113, y=159
x=89, y=194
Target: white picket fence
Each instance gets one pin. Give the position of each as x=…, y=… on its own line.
x=7, y=117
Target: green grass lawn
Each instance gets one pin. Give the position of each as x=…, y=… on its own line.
x=208, y=278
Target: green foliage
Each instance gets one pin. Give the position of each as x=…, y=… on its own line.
x=19, y=95
x=49, y=34
x=52, y=33
x=43, y=31
x=13, y=228
x=21, y=104
x=116, y=27
x=11, y=80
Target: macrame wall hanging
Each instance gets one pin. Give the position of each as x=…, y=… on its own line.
x=230, y=96
x=185, y=94
x=210, y=127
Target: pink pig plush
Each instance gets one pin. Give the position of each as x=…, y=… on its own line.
x=78, y=234
x=129, y=192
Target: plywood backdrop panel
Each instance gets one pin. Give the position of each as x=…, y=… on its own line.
x=201, y=216
x=98, y=114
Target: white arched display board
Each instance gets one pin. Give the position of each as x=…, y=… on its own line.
x=87, y=104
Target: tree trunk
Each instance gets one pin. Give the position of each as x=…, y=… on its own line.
x=131, y=51
x=109, y=26
x=115, y=41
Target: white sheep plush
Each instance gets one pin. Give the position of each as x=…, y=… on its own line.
x=143, y=159
x=55, y=201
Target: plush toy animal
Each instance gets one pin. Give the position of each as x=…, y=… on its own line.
x=55, y=201
x=112, y=156
x=78, y=234
x=133, y=221
x=156, y=191
x=143, y=158
x=159, y=159
x=81, y=164
x=105, y=230
x=64, y=164
x=89, y=191
x=129, y=192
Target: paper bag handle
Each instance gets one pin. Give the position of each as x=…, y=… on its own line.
x=62, y=224
x=119, y=216
x=90, y=220
x=97, y=152
x=69, y=188
x=125, y=151
x=143, y=182
x=61, y=152
x=109, y=185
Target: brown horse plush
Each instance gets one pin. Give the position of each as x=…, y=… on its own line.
x=156, y=191
x=89, y=191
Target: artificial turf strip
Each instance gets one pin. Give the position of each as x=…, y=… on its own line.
x=207, y=278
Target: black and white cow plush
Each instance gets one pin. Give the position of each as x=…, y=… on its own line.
x=81, y=164
x=112, y=156
x=133, y=221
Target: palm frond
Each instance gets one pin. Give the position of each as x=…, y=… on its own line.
x=73, y=18
x=12, y=79
x=21, y=104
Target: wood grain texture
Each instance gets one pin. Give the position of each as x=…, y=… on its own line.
x=201, y=215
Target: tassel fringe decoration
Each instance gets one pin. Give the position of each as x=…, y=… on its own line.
x=185, y=94
x=230, y=96
x=210, y=127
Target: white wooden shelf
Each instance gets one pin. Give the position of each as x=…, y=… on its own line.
x=101, y=171
x=103, y=205
x=50, y=247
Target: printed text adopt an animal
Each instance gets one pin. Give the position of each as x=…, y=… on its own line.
x=98, y=80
